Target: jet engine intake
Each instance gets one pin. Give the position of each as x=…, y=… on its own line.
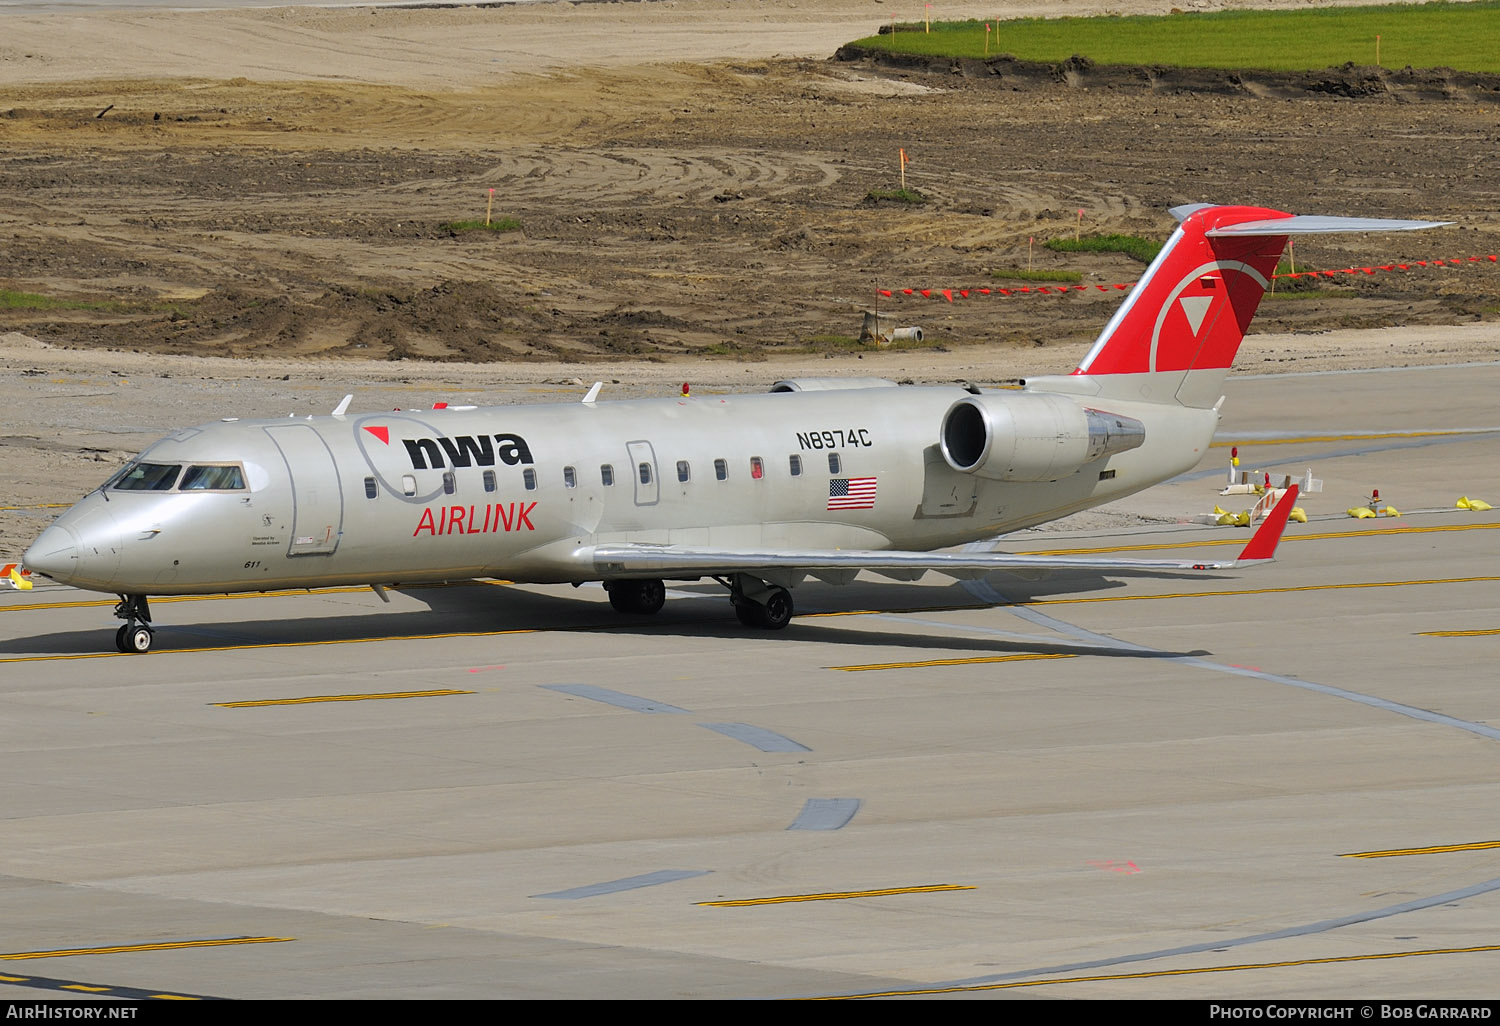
x=1031, y=437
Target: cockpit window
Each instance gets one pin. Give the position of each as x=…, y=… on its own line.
x=217, y=479
x=147, y=477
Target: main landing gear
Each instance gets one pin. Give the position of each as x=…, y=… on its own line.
x=756, y=603
x=135, y=635
x=637, y=596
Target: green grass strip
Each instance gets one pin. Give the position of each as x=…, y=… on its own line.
x=1133, y=246
x=897, y=195
x=1463, y=36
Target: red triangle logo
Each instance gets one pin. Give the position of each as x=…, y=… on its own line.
x=382, y=433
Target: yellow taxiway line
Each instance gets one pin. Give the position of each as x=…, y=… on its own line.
x=956, y=662
x=257, y=703
x=1373, y=436
x=1318, y=536
x=837, y=895
x=1435, y=849
x=114, y=949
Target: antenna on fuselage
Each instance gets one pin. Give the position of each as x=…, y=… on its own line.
x=593, y=393
x=343, y=407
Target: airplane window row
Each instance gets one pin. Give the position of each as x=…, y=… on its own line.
x=163, y=477
x=570, y=475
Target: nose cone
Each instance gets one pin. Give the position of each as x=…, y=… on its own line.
x=54, y=554
x=82, y=548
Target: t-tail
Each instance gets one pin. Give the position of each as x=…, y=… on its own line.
x=1175, y=337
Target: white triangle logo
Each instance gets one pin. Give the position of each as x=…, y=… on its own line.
x=1196, y=307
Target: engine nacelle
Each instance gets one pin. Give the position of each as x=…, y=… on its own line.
x=1028, y=437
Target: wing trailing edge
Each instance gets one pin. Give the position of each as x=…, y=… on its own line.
x=624, y=561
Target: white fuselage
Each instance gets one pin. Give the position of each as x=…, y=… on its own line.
x=526, y=492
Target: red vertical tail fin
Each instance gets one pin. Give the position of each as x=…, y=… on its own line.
x=1176, y=336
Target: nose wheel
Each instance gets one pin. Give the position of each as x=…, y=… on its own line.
x=135, y=634
x=135, y=639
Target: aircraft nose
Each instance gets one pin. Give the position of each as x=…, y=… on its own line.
x=81, y=548
x=54, y=554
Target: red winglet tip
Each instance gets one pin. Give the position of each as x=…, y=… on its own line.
x=1263, y=544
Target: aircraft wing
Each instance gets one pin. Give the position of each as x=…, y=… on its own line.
x=641, y=560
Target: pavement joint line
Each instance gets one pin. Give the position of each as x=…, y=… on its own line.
x=1163, y=973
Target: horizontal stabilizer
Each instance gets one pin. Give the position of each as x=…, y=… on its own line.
x=1319, y=224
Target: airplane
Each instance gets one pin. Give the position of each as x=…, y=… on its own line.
x=819, y=477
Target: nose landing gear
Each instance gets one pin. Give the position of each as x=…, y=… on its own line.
x=135, y=635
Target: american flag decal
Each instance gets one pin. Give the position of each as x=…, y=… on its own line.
x=851, y=493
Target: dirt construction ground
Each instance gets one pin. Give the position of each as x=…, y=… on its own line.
x=691, y=179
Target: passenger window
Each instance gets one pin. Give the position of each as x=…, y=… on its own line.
x=217, y=479
x=683, y=471
x=148, y=477
x=371, y=490
x=408, y=484
x=528, y=478
x=489, y=480
x=450, y=483
x=721, y=470
x=607, y=475
x=570, y=477
x=645, y=473
x=757, y=468
x=834, y=463
x=795, y=462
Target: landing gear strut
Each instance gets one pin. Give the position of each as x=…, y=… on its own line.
x=637, y=596
x=758, y=604
x=135, y=635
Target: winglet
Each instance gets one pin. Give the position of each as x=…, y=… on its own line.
x=1263, y=545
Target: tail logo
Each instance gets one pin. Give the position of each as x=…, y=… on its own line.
x=1210, y=341
x=1196, y=308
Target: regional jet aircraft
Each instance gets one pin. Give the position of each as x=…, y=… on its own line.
x=818, y=477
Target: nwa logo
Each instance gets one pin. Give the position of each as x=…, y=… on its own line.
x=461, y=450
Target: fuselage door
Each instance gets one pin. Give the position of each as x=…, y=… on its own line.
x=317, y=497
x=643, y=471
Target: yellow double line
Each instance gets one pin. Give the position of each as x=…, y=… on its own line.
x=1431, y=850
